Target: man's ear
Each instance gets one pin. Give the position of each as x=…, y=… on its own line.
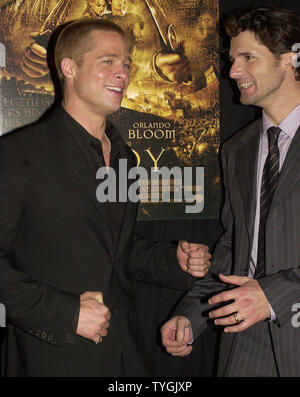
x=287, y=60
x=67, y=67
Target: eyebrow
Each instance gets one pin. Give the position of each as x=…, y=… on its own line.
x=113, y=55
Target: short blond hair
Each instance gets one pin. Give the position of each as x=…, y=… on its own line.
x=75, y=40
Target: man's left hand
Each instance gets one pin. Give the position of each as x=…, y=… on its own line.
x=249, y=306
x=193, y=258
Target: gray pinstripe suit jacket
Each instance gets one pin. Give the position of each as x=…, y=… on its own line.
x=266, y=345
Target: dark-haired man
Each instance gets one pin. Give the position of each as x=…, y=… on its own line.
x=257, y=258
x=67, y=260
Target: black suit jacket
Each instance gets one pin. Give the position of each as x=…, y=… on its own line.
x=55, y=243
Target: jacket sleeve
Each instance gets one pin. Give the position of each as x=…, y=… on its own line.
x=282, y=292
x=194, y=304
x=35, y=307
x=156, y=263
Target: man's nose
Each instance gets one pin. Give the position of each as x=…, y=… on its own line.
x=122, y=72
x=235, y=70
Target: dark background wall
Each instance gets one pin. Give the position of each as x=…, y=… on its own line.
x=154, y=303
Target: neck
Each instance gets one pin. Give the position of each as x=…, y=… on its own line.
x=280, y=107
x=92, y=122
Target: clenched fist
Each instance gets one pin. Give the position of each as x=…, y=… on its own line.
x=193, y=258
x=94, y=316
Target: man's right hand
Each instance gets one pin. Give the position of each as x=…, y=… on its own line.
x=93, y=316
x=176, y=336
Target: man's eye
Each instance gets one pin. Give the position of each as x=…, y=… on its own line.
x=108, y=61
x=127, y=65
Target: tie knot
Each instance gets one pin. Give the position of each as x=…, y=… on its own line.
x=273, y=135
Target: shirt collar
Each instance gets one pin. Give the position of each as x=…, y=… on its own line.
x=289, y=125
x=84, y=138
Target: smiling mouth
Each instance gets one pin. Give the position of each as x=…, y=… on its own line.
x=115, y=89
x=244, y=86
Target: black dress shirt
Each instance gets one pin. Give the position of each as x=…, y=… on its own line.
x=91, y=149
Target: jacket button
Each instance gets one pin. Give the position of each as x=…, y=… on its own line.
x=49, y=338
x=245, y=272
x=44, y=335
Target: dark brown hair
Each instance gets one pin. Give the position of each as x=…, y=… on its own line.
x=277, y=28
x=75, y=40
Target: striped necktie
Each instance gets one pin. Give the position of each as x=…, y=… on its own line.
x=268, y=186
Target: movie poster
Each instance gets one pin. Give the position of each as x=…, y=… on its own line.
x=170, y=114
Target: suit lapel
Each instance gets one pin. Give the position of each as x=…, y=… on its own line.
x=129, y=216
x=246, y=170
x=289, y=173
